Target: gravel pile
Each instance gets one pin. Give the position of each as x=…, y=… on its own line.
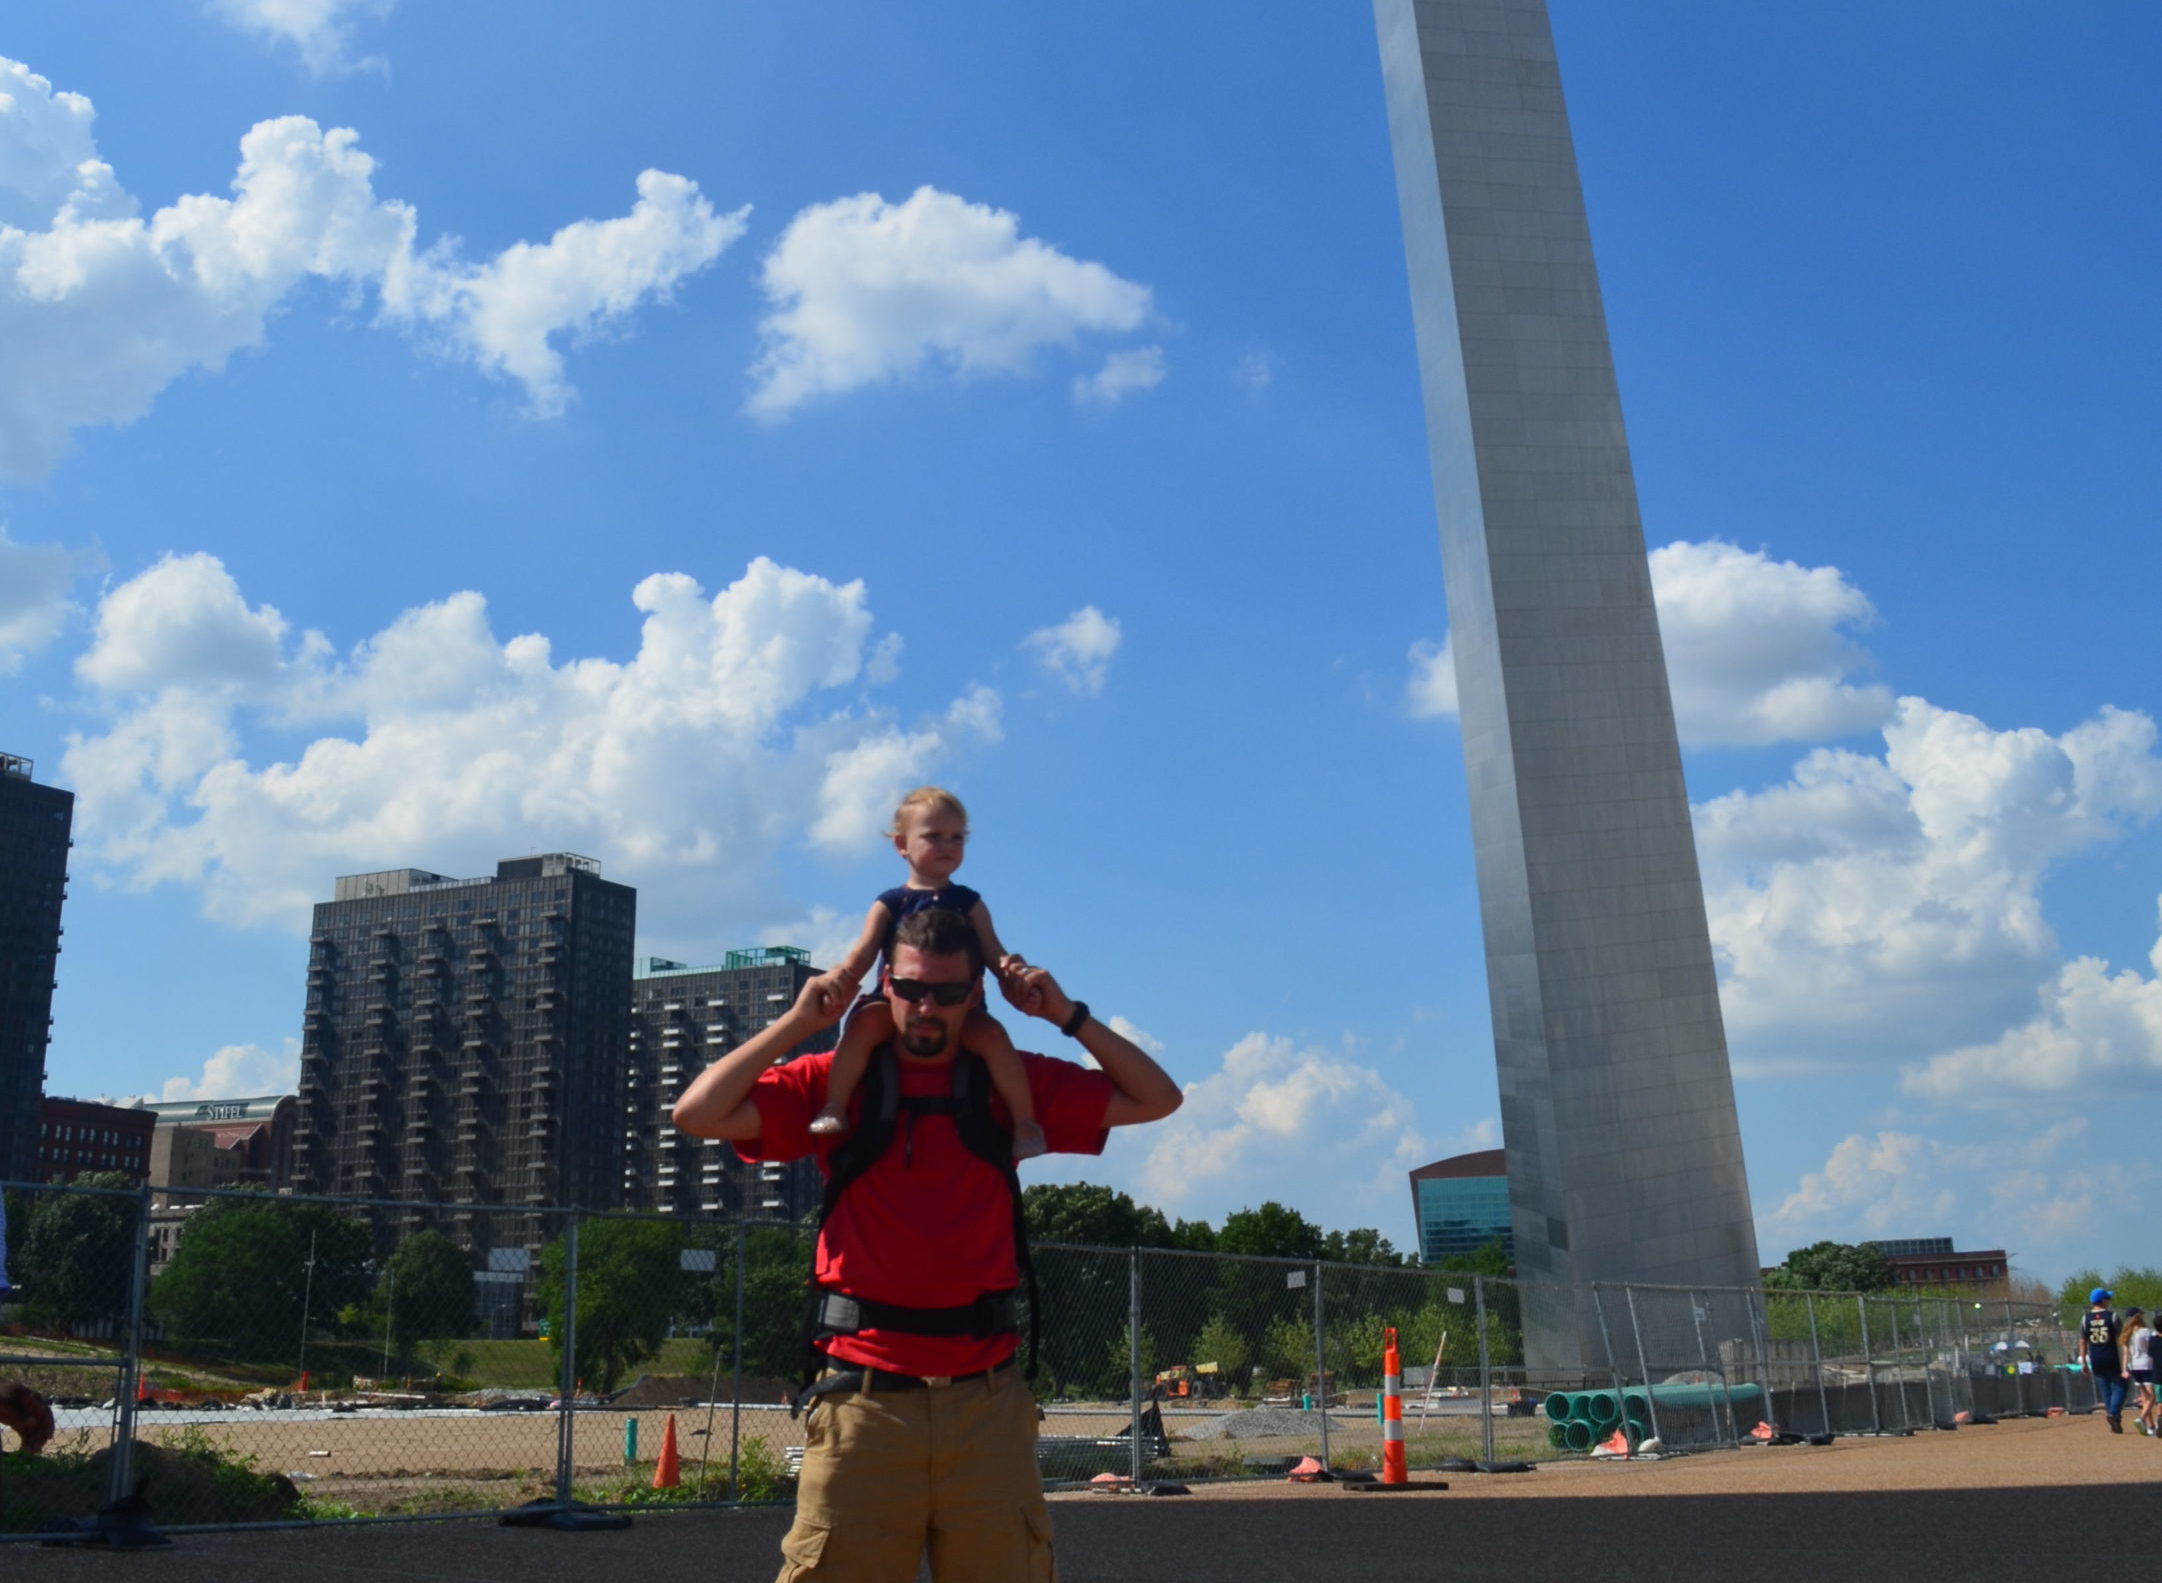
x=1256, y=1423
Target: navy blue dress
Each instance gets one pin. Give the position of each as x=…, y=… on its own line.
x=902, y=900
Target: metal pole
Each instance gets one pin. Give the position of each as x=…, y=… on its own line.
x=1486, y=1373
x=131, y=1362
x=735, y=1407
x=1133, y=1349
x=1869, y=1369
x=568, y=1385
x=1760, y=1337
x=1321, y=1366
x=307, y=1304
x=1621, y=1406
x=1651, y=1397
x=1704, y=1363
x=390, y=1310
x=1816, y=1359
x=1906, y=1418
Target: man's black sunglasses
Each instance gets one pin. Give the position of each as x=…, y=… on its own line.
x=914, y=989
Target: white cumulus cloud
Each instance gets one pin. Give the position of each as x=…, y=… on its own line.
x=1431, y=692
x=239, y=1071
x=321, y=30
x=1872, y=905
x=1757, y=650
x=1078, y=650
x=864, y=292
x=2093, y=1032
x=2027, y=1189
x=737, y=728
x=1123, y=373
x=34, y=606
x=1272, y=1104
x=101, y=309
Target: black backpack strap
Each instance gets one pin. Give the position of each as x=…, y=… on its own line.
x=878, y=1106
x=993, y=1144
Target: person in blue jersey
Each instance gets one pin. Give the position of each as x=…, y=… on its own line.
x=930, y=831
x=2099, y=1331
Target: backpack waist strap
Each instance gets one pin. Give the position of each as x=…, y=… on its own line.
x=992, y=1314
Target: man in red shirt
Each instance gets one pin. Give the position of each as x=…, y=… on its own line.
x=921, y=1431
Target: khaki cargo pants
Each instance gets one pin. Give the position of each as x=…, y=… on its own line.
x=952, y=1468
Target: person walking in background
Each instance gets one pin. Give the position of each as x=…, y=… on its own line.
x=2099, y=1333
x=2137, y=1343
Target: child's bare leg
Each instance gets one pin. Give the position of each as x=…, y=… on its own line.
x=868, y=1026
x=983, y=1035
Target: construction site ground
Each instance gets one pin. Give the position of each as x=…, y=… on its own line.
x=2028, y=1499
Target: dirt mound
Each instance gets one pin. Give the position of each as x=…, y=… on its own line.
x=678, y=1390
x=181, y=1488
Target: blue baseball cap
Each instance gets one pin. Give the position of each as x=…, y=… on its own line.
x=2101, y=1294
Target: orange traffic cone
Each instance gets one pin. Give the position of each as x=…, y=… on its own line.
x=1393, y=1467
x=1614, y=1445
x=668, y=1472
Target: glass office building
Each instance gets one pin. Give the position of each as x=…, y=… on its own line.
x=1461, y=1204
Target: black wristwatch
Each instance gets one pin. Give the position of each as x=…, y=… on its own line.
x=1076, y=1020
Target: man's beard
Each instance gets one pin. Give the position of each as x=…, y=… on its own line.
x=924, y=1038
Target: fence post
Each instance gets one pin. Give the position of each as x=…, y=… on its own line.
x=1321, y=1365
x=1621, y=1409
x=735, y=1406
x=120, y=1467
x=1816, y=1363
x=1133, y=1345
x=1704, y=1362
x=1486, y=1372
x=1906, y=1417
x=1651, y=1397
x=568, y=1385
x=1869, y=1368
x=1760, y=1338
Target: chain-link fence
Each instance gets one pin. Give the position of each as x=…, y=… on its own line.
x=243, y=1358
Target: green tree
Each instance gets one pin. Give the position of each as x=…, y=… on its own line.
x=777, y=1261
x=1363, y=1246
x=1222, y=1343
x=630, y=1284
x=1287, y=1349
x=75, y=1257
x=1490, y=1258
x=1086, y=1212
x=1835, y=1267
x=2134, y=1288
x=1272, y=1231
x=425, y=1292
x=240, y=1279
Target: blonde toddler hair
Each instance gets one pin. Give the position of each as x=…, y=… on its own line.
x=928, y=797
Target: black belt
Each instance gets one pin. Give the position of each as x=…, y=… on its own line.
x=865, y=1378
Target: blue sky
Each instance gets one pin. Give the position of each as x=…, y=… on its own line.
x=430, y=434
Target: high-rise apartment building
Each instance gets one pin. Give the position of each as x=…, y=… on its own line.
x=34, y=825
x=682, y=1019
x=464, y=1041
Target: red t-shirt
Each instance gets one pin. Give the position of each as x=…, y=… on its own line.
x=929, y=1225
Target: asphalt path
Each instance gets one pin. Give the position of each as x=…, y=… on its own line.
x=2032, y=1500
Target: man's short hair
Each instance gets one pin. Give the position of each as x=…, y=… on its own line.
x=940, y=931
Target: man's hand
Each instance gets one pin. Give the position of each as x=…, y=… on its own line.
x=1029, y=989
x=830, y=994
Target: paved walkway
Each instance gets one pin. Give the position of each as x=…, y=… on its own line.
x=2015, y=1501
